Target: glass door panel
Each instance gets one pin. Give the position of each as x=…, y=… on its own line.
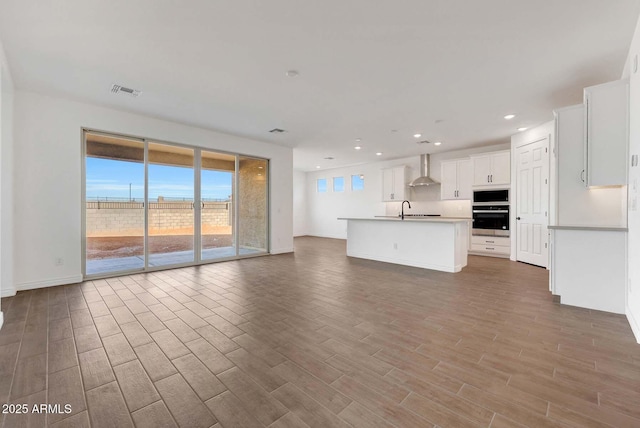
x=252, y=205
x=217, y=176
x=114, y=206
x=170, y=205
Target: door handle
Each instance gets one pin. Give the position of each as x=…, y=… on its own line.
x=517, y=218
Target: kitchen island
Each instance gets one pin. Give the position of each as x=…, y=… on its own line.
x=426, y=242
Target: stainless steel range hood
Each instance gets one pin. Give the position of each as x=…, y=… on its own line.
x=424, y=179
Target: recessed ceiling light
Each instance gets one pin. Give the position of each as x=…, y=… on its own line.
x=260, y=167
x=379, y=154
x=417, y=135
x=510, y=116
x=437, y=143
x=522, y=129
x=358, y=140
x=317, y=166
x=357, y=147
x=292, y=73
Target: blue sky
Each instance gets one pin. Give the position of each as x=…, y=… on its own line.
x=111, y=178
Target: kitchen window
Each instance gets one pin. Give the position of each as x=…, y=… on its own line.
x=321, y=185
x=357, y=182
x=338, y=184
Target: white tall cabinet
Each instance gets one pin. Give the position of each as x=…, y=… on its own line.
x=456, y=178
x=492, y=169
x=394, y=184
x=606, y=133
x=590, y=225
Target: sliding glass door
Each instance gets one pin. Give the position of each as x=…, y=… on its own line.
x=252, y=204
x=150, y=205
x=170, y=226
x=114, y=213
x=217, y=177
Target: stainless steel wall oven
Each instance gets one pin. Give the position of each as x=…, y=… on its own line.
x=491, y=212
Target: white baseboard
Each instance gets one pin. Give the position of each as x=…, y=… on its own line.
x=281, y=250
x=49, y=282
x=342, y=237
x=1, y=320
x=633, y=322
x=7, y=292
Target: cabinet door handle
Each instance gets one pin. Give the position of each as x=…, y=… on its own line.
x=582, y=176
x=490, y=242
x=491, y=178
x=489, y=248
x=488, y=179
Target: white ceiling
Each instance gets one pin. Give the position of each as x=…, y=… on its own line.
x=366, y=67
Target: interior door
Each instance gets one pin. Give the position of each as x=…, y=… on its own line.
x=532, y=204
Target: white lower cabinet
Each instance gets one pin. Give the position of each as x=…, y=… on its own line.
x=588, y=267
x=499, y=246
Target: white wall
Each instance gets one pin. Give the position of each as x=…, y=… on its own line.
x=633, y=217
x=323, y=209
x=48, y=163
x=6, y=179
x=299, y=203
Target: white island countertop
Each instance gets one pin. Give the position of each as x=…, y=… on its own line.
x=437, y=243
x=410, y=219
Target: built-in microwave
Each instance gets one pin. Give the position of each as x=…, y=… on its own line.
x=495, y=196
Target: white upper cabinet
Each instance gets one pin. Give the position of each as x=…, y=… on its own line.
x=492, y=169
x=606, y=133
x=456, y=177
x=394, y=184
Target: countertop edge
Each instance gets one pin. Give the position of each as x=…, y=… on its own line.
x=410, y=220
x=595, y=228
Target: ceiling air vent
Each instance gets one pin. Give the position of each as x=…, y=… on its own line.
x=277, y=131
x=116, y=89
x=423, y=142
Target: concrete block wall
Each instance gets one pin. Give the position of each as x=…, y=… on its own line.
x=166, y=218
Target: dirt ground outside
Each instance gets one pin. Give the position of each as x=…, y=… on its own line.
x=126, y=246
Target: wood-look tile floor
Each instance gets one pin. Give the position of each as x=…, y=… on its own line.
x=317, y=339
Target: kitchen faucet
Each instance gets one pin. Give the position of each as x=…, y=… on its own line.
x=402, y=214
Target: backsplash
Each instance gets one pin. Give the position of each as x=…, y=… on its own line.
x=444, y=208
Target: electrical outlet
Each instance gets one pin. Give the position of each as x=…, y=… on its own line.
x=59, y=261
